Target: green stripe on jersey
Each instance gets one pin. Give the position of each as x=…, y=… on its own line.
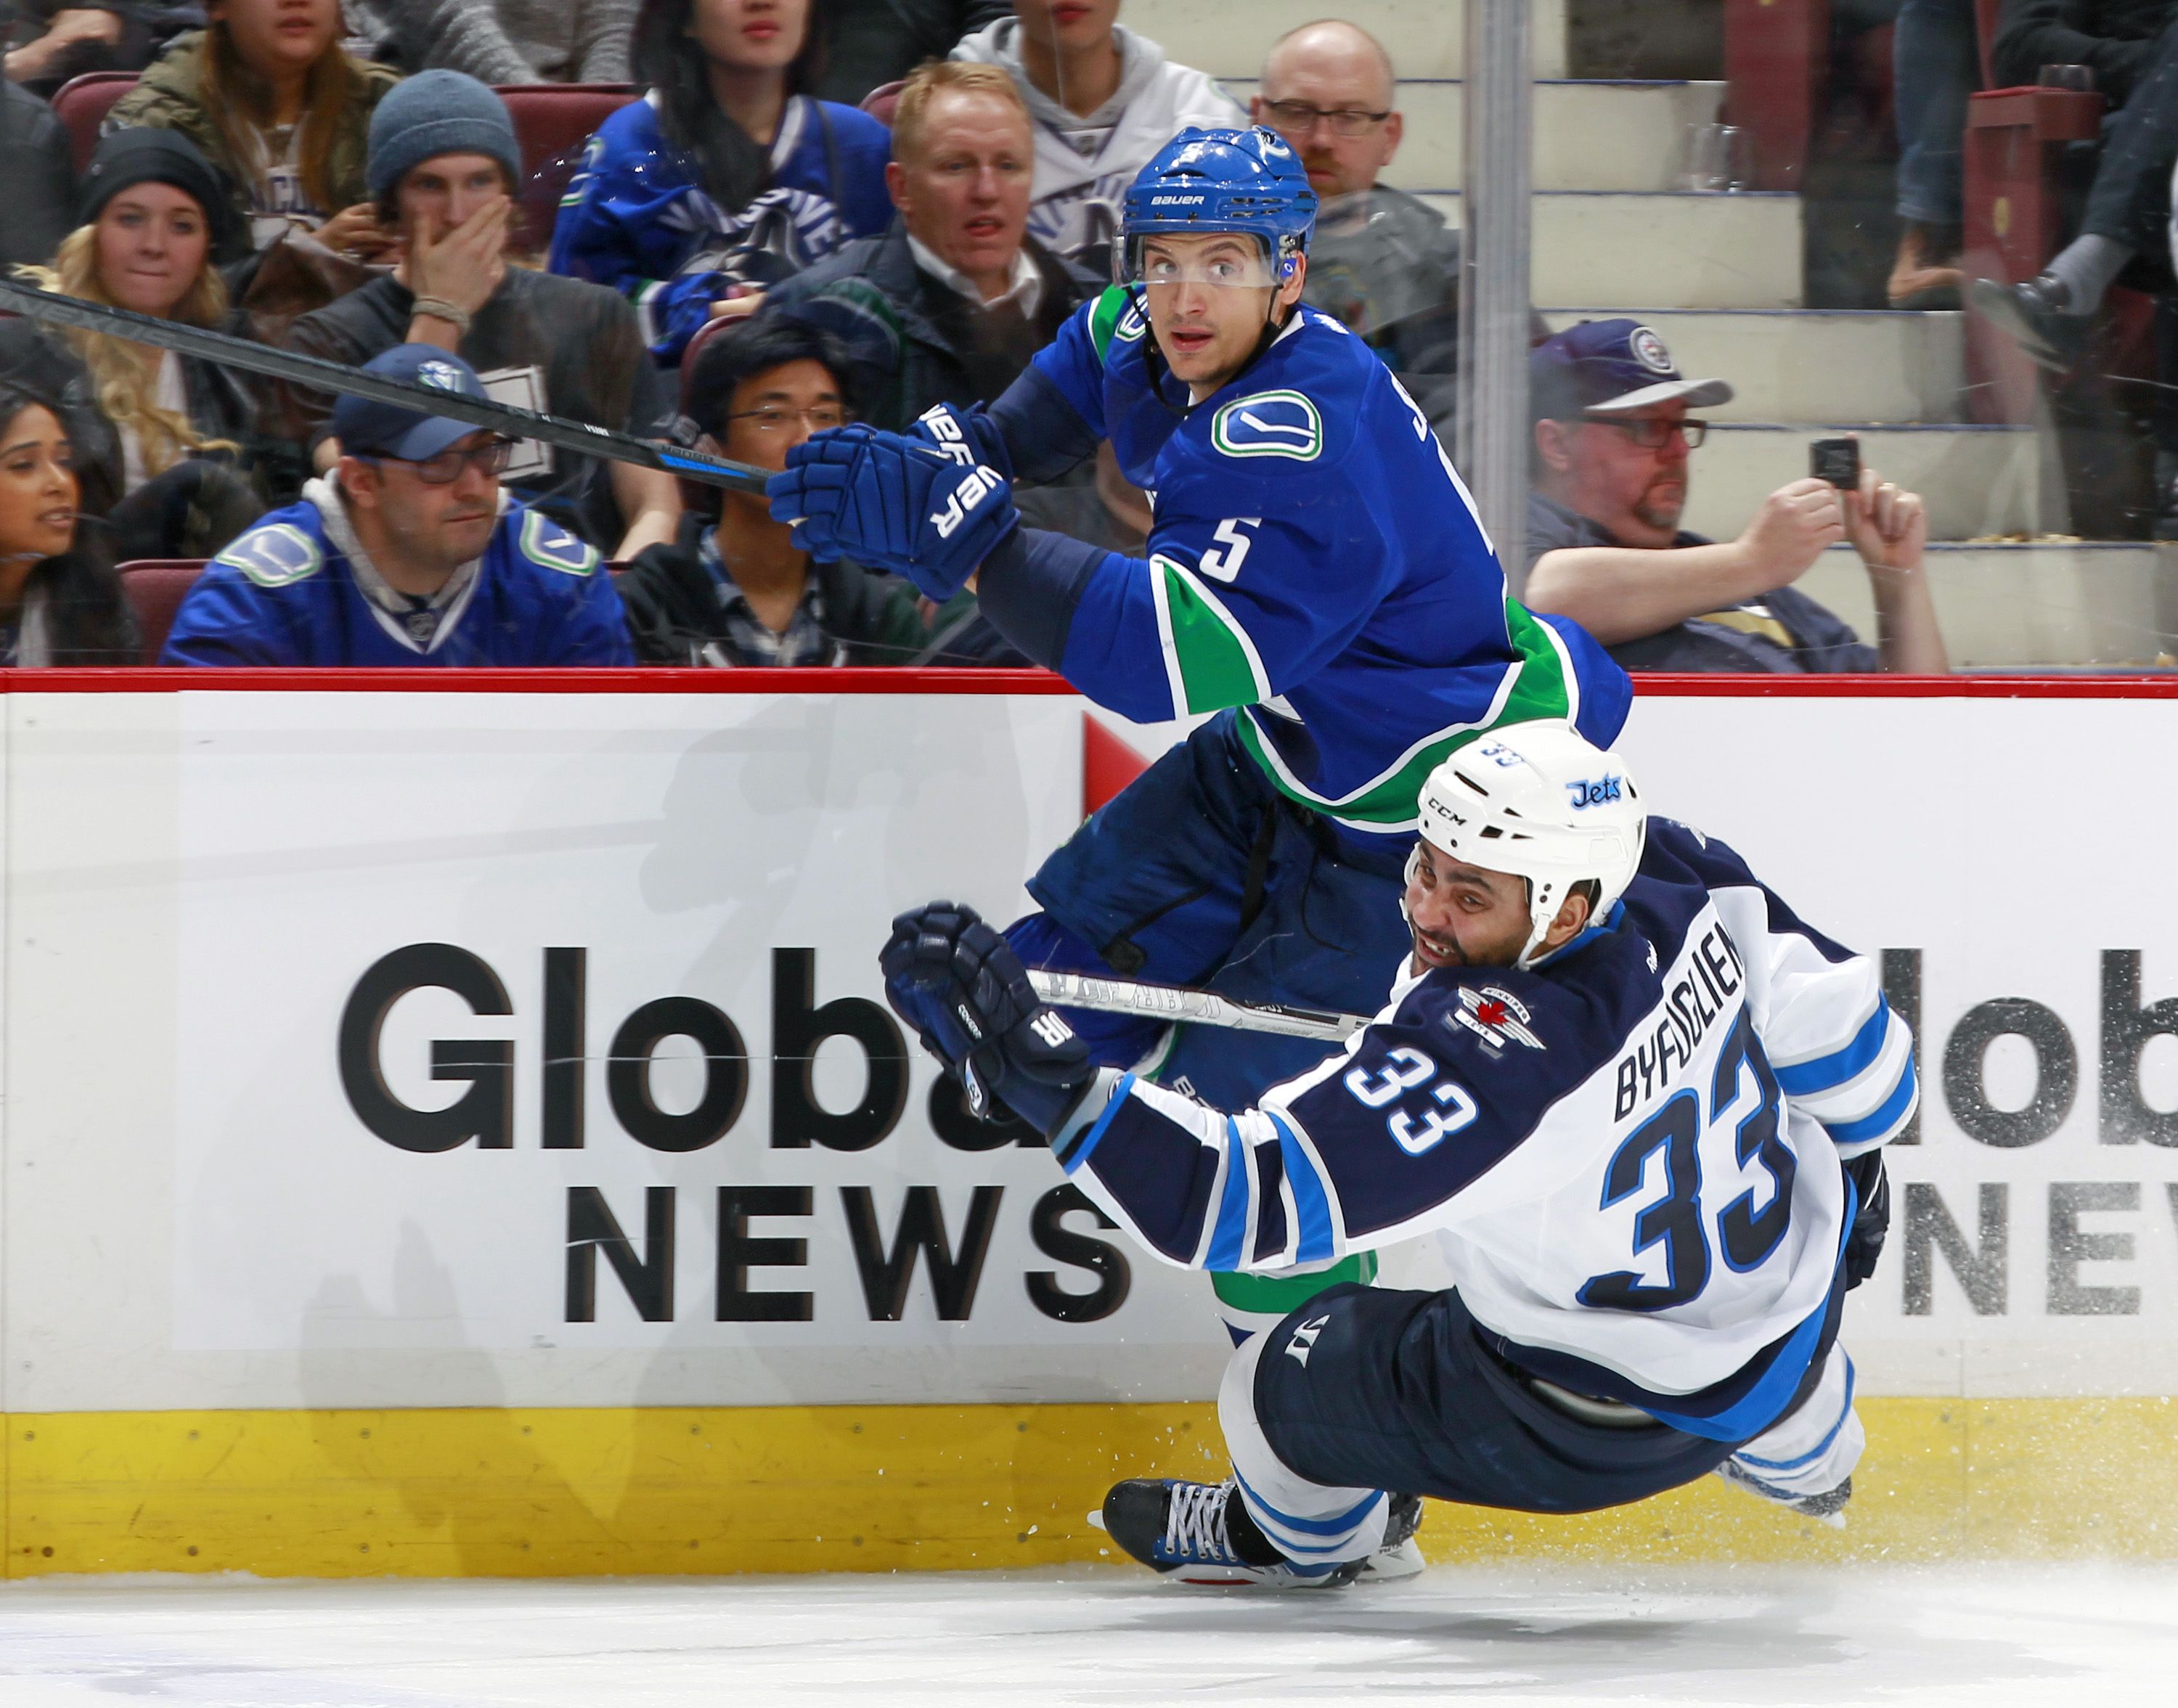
x=1209, y=659
x=1276, y=1294
x=1104, y=319
x=1537, y=688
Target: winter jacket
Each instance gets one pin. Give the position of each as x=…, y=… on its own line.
x=39, y=174
x=901, y=327
x=1084, y=164
x=168, y=94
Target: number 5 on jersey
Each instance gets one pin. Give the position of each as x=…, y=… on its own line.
x=1225, y=565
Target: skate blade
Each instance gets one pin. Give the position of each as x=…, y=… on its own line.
x=1097, y=1518
x=1389, y=1565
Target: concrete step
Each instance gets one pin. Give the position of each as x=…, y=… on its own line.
x=1425, y=37
x=1594, y=136
x=1976, y=481
x=1814, y=365
x=2008, y=606
x=1668, y=251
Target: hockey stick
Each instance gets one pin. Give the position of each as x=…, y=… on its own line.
x=1174, y=1005
x=321, y=375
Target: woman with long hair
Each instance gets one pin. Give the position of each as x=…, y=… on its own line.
x=727, y=176
x=275, y=103
x=60, y=600
x=148, y=219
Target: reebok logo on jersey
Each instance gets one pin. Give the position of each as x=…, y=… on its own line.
x=1303, y=1340
x=964, y=498
x=1496, y=1016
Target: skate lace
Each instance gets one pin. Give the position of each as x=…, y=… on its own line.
x=1194, y=1522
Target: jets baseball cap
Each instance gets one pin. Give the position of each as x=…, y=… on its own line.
x=1609, y=366
x=367, y=427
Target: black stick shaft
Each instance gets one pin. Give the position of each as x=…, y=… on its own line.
x=322, y=376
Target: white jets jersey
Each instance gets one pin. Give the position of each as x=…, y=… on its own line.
x=1631, y=1151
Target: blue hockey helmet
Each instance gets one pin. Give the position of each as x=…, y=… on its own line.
x=1221, y=181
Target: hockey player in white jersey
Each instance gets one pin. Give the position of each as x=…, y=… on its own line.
x=1639, y=1100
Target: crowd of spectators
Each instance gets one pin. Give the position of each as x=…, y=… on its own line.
x=804, y=212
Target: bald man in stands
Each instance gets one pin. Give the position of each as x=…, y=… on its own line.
x=1382, y=261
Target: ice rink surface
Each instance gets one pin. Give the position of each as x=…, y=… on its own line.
x=2101, y=1636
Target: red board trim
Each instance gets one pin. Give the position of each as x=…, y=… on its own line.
x=172, y=680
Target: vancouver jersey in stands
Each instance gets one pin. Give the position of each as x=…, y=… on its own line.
x=1634, y=1146
x=1315, y=560
x=283, y=594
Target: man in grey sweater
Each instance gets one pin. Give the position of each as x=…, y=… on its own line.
x=501, y=41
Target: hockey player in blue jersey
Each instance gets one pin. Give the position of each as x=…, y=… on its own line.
x=1640, y=1102
x=407, y=553
x=1317, y=578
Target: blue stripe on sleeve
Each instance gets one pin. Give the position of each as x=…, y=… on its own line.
x=1879, y=1125
x=1311, y=1205
x=1225, y=1240
x=1820, y=1449
x=1806, y=1078
x=1113, y=1105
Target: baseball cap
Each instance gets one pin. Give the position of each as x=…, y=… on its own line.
x=1609, y=366
x=367, y=427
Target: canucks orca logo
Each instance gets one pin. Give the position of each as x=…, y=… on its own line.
x=548, y=545
x=1269, y=424
x=441, y=377
x=1594, y=791
x=1131, y=325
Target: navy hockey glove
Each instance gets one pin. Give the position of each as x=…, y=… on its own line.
x=892, y=502
x=963, y=989
x=968, y=436
x=1864, y=1244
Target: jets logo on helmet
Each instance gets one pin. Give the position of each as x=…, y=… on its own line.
x=1541, y=802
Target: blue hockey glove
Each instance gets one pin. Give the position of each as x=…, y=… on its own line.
x=963, y=989
x=1871, y=1223
x=893, y=502
x=968, y=436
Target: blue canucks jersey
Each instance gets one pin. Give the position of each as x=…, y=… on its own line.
x=636, y=217
x=1315, y=560
x=1629, y=1153
x=283, y=594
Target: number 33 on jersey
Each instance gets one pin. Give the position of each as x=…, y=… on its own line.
x=1633, y=1149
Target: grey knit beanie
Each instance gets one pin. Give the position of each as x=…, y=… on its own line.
x=437, y=112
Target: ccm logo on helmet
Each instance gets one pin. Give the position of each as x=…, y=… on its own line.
x=1594, y=791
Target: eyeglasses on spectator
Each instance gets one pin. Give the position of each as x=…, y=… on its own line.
x=1300, y=117
x=491, y=457
x=1653, y=435
x=776, y=418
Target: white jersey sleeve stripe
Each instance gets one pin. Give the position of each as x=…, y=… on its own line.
x=1822, y=1073
x=1853, y=1138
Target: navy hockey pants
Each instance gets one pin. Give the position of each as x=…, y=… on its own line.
x=1200, y=874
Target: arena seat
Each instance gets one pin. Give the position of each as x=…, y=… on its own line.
x=553, y=121
x=82, y=105
x=880, y=101
x=153, y=588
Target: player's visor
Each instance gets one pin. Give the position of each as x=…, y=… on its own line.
x=1151, y=263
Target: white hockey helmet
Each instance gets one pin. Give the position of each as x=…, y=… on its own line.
x=1539, y=802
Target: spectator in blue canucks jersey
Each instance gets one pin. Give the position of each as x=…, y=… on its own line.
x=1604, y=546
x=407, y=553
x=727, y=176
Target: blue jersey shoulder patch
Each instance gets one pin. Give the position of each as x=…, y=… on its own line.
x=548, y=545
x=276, y=555
x=1269, y=424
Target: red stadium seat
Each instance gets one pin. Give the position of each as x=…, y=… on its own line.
x=1776, y=66
x=880, y=101
x=82, y=105
x=553, y=121
x=154, y=588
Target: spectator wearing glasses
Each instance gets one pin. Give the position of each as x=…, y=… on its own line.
x=1105, y=99
x=948, y=306
x=408, y=553
x=733, y=590
x=1382, y=261
x=444, y=162
x=1604, y=546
